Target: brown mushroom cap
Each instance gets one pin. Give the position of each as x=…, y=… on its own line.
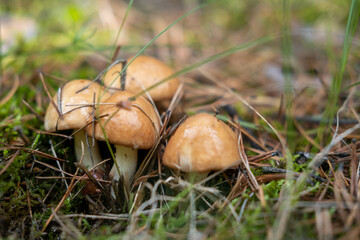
x=142, y=73
x=135, y=125
x=201, y=143
x=74, y=117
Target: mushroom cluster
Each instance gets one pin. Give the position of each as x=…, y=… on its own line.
x=107, y=111
x=135, y=127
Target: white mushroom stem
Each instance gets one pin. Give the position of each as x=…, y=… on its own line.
x=126, y=161
x=91, y=155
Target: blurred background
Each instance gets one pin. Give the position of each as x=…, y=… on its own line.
x=77, y=39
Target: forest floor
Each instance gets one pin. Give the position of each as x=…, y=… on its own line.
x=283, y=75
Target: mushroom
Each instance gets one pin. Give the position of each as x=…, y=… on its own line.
x=75, y=109
x=129, y=125
x=90, y=187
x=200, y=144
x=142, y=73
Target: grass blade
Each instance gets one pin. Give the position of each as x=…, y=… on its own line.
x=120, y=29
x=332, y=102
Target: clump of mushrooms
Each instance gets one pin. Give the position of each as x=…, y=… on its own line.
x=202, y=143
x=129, y=125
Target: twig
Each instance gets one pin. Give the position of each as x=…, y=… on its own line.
x=48, y=194
x=116, y=52
x=11, y=92
x=123, y=75
x=354, y=173
x=176, y=98
x=54, y=77
x=9, y=162
x=29, y=201
x=53, y=168
x=32, y=110
x=62, y=224
x=32, y=151
x=49, y=133
x=96, y=182
x=48, y=94
x=21, y=134
x=58, y=164
x=245, y=161
x=263, y=156
x=114, y=217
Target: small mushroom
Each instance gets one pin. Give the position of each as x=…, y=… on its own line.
x=142, y=73
x=200, y=144
x=90, y=188
x=75, y=109
x=129, y=125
